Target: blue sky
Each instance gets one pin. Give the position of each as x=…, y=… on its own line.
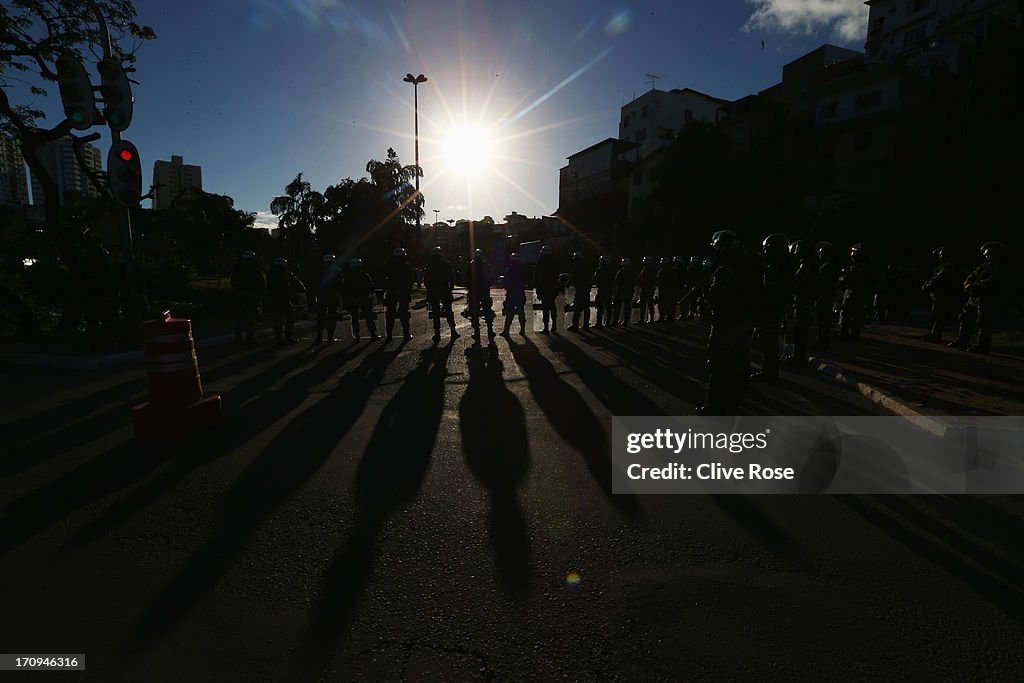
x=256, y=91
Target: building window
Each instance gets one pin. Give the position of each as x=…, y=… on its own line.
x=687, y=115
x=827, y=111
x=862, y=141
x=868, y=100
x=913, y=36
x=638, y=177
x=640, y=135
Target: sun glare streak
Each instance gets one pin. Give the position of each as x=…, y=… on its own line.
x=519, y=187
x=569, y=79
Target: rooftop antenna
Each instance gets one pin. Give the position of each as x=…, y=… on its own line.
x=654, y=78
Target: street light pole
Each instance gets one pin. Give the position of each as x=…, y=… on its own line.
x=437, y=217
x=416, y=80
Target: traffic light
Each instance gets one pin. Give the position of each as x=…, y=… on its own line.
x=117, y=94
x=125, y=173
x=76, y=92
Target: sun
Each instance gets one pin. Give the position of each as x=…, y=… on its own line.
x=467, y=150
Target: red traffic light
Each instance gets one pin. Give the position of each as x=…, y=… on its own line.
x=126, y=154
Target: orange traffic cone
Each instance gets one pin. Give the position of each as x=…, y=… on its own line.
x=176, y=406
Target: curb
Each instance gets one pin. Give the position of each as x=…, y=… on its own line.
x=845, y=377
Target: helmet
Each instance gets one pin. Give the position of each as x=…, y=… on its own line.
x=514, y=257
x=545, y=249
x=280, y=261
x=666, y=259
x=992, y=251
x=775, y=245
x=648, y=260
x=478, y=253
x=578, y=256
x=604, y=258
x=329, y=258
x=801, y=249
x=725, y=245
x=678, y=259
x=627, y=261
x=858, y=253
x=695, y=259
x=249, y=254
x=437, y=251
x=399, y=251
x=939, y=253
x=356, y=263
x=824, y=250
x=708, y=264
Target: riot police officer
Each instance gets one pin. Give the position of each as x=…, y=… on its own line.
x=439, y=279
x=667, y=291
x=328, y=298
x=515, y=295
x=942, y=287
x=358, y=299
x=777, y=284
x=983, y=287
x=855, y=282
x=398, y=280
x=581, y=277
x=622, y=303
x=545, y=288
x=647, y=280
x=805, y=292
x=604, y=279
x=481, y=276
x=731, y=326
x=828, y=276
x=282, y=285
x=248, y=283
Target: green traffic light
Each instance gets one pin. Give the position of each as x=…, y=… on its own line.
x=114, y=118
x=77, y=117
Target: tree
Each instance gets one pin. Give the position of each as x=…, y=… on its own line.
x=33, y=34
x=396, y=193
x=301, y=210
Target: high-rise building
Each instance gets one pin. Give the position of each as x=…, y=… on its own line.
x=13, y=183
x=172, y=179
x=58, y=158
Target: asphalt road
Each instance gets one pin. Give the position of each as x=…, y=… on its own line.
x=412, y=512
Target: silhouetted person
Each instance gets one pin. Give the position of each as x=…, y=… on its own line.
x=282, y=285
x=248, y=283
x=581, y=277
x=398, y=281
x=828, y=276
x=691, y=284
x=604, y=279
x=805, y=293
x=667, y=295
x=328, y=298
x=481, y=276
x=545, y=278
x=942, y=287
x=358, y=297
x=439, y=278
x=100, y=288
x=625, y=281
x=854, y=282
x=647, y=281
x=731, y=326
x=983, y=286
x=777, y=282
x=515, y=294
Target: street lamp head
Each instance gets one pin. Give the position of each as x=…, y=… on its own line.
x=415, y=80
x=409, y=78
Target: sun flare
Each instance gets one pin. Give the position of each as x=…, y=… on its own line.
x=467, y=150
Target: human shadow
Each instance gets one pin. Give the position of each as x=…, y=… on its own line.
x=390, y=473
x=573, y=420
x=619, y=397
x=246, y=422
x=291, y=458
x=1000, y=581
x=492, y=424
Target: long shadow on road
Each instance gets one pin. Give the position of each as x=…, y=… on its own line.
x=493, y=427
x=294, y=455
x=243, y=424
x=389, y=475
x=573, y=420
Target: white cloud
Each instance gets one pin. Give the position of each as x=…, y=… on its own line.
x=845, y=20
x=265, y=220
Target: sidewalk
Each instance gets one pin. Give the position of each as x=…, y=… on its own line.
x=889, y=363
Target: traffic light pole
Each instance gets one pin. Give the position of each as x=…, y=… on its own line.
x=124, y=216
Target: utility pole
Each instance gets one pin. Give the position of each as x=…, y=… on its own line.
x=654, y=78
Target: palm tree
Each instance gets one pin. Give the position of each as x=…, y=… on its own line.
x=394, y=183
